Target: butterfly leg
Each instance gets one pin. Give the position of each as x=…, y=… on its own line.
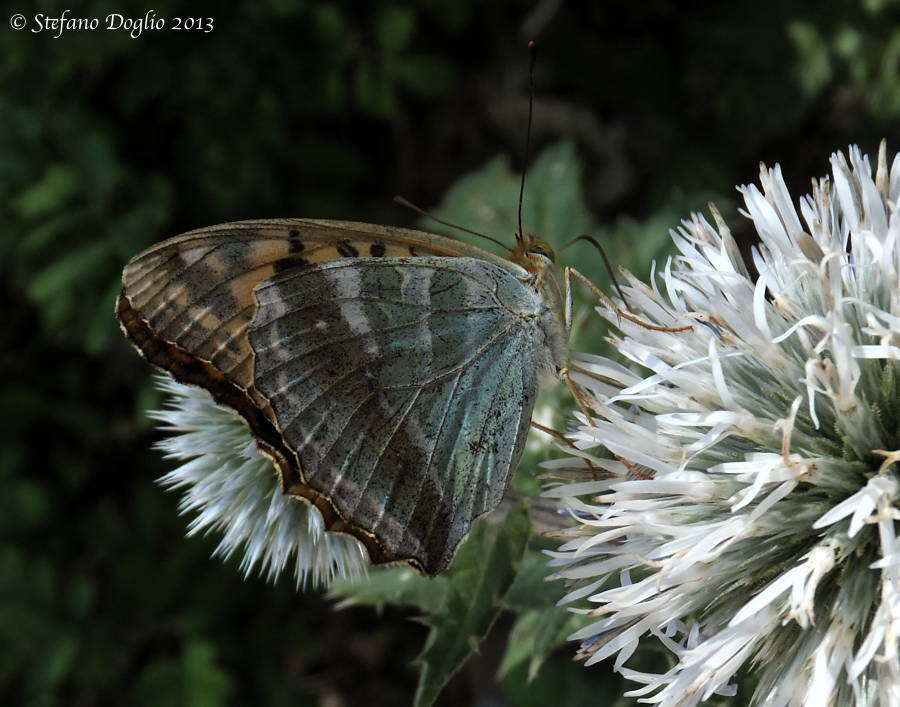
x=612, y=305
x=550, y=431
x=633, y=469
x=559, y=436
x=577, y=393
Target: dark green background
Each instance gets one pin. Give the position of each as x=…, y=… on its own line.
x=108, y=143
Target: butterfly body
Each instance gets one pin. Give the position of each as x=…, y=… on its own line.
x=390, y=374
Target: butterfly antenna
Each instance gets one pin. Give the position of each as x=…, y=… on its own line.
x=594, y=242
x=532, y=48
x=409, y=205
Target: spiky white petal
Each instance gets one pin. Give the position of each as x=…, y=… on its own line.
x=234, y=490
x=750, y=510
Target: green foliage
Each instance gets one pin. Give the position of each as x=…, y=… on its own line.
x=194, y=678
x=376, y=85
x=461, y=605
x=400, y=586
x=535, y=635
x=554, y=207
x=863, y=49
x=541, y=626
x=483, y=571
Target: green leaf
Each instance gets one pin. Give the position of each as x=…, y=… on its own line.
x=541, y=627
x=554, y=185
x=55, y=663
x=193, y=678
x=329, y=24
x=485, y=567
x=393, y=28
x=813, y=63
x=427, y=75
x=484, y=200
x=374, y=92
x=45, y=196
x=520, y=645
x=531, y=590
x=158, y=683
x=53, y=281
x=536, y=634
x=555, y=625
x=206, y=683
x=100, y=326
x=391, y=585
x=553, y=208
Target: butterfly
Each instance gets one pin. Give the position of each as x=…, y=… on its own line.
x=390, y=374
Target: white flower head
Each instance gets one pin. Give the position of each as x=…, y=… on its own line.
x=748, y=518
x=235, y=490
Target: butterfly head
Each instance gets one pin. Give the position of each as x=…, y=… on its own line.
x=532, y=254
x=538, y=258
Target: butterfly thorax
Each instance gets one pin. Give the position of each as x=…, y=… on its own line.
x=538, y=259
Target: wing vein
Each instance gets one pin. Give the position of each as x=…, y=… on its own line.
x=365, y=485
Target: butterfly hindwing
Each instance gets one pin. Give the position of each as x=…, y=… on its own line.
x=405, y=387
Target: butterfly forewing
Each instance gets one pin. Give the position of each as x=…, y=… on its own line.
x=405, y=386
x=196, y=290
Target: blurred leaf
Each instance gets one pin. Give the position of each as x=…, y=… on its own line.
x=57, y=185
x=531, y=590
x=520, y=644
x=483, y=200
x=541, y=626
x=865, y=56
x=54, y=279
x=401, y=586
x=158, y=684
x=53, y=287
x=193, y=678
x=374, y=92
x=394, y=27
x=329, y=23
x=553, y=208
x=426, y=75
x=482, y=572
x=55, y=663
x=100, y=326
x=814, y=64
x=536, y=634
x=206, y=684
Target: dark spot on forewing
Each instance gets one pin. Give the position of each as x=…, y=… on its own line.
x=289, y=263
x=377, y=250
x=198, y=279
x=347, y=250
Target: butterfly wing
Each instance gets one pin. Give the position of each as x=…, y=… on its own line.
x=188, y=305
x=196, y=290
x=405, y=387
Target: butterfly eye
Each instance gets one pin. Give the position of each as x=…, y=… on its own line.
x=539, y=249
